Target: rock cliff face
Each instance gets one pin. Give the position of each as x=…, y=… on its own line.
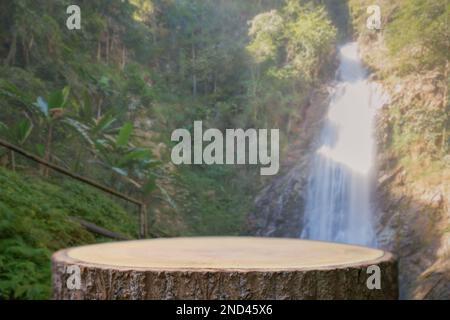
x=412, y=224
x=278, y=210
x=414, y=201
x=413, y=192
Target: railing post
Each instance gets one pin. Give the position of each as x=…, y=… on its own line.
x=143, y=221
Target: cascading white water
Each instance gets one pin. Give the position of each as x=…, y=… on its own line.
x=338, y=203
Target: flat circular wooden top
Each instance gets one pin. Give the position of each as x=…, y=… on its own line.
x=234, y=253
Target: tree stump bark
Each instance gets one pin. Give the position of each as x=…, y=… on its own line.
x=223, y=268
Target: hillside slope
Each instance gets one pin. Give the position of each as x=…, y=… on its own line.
x=34, y=222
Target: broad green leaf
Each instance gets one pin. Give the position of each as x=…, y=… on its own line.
x=24, y=128
x=58, y=99
x=65, y=94
x=103, y=123
x=55, y=100
x=124, y=135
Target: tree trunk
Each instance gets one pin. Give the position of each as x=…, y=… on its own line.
x=13, y=160
x=222, y=268
x=11, y=57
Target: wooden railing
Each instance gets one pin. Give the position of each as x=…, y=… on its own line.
x=140, y=204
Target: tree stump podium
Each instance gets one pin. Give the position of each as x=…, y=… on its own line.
x=222, y=268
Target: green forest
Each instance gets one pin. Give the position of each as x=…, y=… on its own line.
x=102, y=102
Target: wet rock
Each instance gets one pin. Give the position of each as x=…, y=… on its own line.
x=278, y=209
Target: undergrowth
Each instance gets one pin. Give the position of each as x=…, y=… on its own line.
x=35, y=222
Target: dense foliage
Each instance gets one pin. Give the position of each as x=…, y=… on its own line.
x=413, y=60
x=35, y=222
x=79, y=97
x=102, y=102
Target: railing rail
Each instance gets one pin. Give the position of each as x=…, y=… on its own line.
x=140, y=204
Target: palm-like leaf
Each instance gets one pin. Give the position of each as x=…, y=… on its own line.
x=81, y=128
x=124, y=135
x=19, y=133
x=8, y=89
x=23, y=131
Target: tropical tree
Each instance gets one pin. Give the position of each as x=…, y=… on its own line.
x=123, y=159
x=51, y=111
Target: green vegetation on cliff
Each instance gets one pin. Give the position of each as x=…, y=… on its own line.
x=411, y=56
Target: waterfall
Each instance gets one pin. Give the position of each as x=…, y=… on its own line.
x=338, y=202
